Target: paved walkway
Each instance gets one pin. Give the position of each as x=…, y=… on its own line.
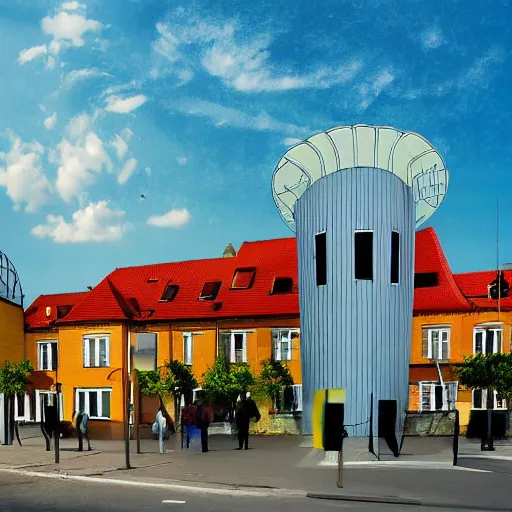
x=279, y=463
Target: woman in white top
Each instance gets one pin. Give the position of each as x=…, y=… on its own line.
x=161, y=423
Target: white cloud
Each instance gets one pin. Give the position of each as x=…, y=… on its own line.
x=182, y=160
x=120, y=146
x=49, y=122
x=148, y=171
x=124, y=106
x=431, y=38
x=94, y=223
x=51, y=62
x=172, y=219
x=68, y=29
x=245, y=66
x=82, y=74
x=72, y=6
x=80, y=156
x=23, y=176
x=290, y=141
x=127, y=171
x=32, y=53
x=226, y=116
x=481, y=69
x=372, y=89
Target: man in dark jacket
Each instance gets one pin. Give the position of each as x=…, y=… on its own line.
x=203, y=420
x=246, y=410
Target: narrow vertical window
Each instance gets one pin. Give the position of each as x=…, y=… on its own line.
x=363, y=255
x=395, y=257
x=321, y=258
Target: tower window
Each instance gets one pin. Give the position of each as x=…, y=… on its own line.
x=395, y=257
x=321, y=258
x=363, y=255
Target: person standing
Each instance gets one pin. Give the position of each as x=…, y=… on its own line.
x=161, y=424
x=246, y=410
x=82, y=429
x=203, y=420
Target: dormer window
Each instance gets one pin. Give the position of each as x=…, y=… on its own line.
x=169, y=293
x=62, y=311
x=210, y=290
x=282, y=285
x=243, y=278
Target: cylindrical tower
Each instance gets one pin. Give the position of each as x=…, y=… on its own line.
x=355, y=239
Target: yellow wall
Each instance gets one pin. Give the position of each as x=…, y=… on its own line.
x=11, y=332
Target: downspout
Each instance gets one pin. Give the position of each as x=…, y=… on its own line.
x=216, y=339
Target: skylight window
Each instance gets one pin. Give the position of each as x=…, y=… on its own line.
x=62, y=311
x=169, y=293
x=210, y=290
x=243, y=278
x=282, y=285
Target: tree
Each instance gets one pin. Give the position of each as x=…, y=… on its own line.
x=490, y=371
x=274, y=376
x=14, y=378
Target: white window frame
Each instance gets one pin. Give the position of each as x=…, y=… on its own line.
x=446, y=402
x=86, y=350
x=188, y=347
x=26, y=415
x=88, y=392
x=440, y=329
x=232, y=352
x=48, y=344
x=484, y=401
x=38, y=404
x=277, y=349
x=483, y=328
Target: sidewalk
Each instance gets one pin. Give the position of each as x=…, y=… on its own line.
x=278, y=463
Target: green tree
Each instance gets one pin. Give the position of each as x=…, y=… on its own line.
x=274, y=376
x=14, y=378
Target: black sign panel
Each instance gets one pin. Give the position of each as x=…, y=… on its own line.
x=334, y=415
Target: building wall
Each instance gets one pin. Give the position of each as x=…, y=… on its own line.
x=356, y=334
x=11, y=332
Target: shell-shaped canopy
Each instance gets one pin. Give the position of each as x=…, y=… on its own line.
x=10, y=285
x=407, y=155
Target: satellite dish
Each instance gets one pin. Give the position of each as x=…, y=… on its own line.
x=407, y=155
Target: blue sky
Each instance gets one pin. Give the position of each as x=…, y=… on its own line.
x=193, y=104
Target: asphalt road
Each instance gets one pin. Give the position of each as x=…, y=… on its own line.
x=19, y=493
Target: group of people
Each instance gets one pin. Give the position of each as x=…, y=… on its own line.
x=200, y=415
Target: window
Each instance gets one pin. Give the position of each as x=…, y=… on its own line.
x=47, y=355
x=145, y=353
x=395, y=257
x=48, y=399
x=321, y=258
x=282, y=285
x=436, y=343
x=210, y=290
x=289, y=399
x=169, y=293
x=436, y=397
x=95, y=402
x=22, y=408
x=282, y=343
x=243, y=278
x=96, y=351
x=426, y=279
x=187, y=347
x=480, y=400
x=487, y=339
x=233, y=346
x=363, y=255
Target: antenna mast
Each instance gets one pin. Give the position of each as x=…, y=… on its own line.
x=498, y=252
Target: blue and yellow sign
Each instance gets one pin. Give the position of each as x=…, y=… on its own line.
x=320, y=400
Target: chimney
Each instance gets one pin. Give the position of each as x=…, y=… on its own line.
x=229, y=251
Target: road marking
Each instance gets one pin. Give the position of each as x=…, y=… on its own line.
x=405, y=464
x=174, y=501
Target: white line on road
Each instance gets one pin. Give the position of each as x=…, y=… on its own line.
x=405, y=464
x=174, y=501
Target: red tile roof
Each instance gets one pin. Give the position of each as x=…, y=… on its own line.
x=35, y=314
x=474, y=287
x=446, y=296
x=134, y=292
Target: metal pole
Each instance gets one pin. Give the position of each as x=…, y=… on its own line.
x=126, y=396
x=340, y=468
x=57, y=432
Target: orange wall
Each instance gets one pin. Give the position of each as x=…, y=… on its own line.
x=11, y=332
x=461, y=333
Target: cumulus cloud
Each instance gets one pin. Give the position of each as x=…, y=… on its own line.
x=125, y=105
x=72, y=6
x=23, y=176
x=68, y=29
x=94, y=223
x=431, y=38
x=81, y=157
x=226, y=116
x=127, y=171
x=182, y=160
x=82, y=74
x=225, y=52
x=175, y=218
x=120, y=146
x=49, y=122
x=30, y=54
